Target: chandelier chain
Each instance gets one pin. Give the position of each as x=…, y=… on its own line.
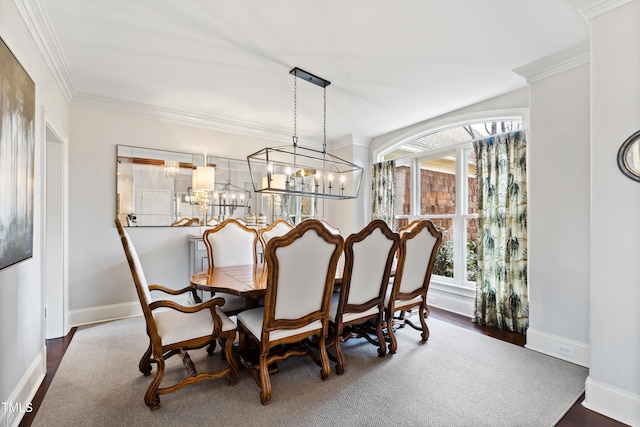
x=295, y=110
x=324, y=124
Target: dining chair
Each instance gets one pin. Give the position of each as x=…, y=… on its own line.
x=173, y=329
x=181, y=222
x=231, y=243
x=369, y=256
x=416, y=256
x=300, y=278
x=276, y=228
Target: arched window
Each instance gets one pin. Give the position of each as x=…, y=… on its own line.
x=436, y=180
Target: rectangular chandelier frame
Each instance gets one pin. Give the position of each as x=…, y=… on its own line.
x=302, y=171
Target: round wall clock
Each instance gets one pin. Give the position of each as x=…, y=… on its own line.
x=629, y=157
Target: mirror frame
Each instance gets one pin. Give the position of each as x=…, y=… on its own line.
x=630, y=170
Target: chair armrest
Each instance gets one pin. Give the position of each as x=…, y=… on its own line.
x=210, y=304
x=156, y=287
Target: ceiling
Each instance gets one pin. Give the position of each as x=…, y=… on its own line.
x=391, y=64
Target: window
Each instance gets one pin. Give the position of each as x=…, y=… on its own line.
x=436, y=180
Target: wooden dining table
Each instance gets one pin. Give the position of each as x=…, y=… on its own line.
x=248, y=281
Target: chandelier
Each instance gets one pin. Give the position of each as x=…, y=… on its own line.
x=225, y=196
x=298, y=170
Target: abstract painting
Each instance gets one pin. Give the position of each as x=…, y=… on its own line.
x=17, y=145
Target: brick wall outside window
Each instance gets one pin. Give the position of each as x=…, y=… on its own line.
x=438, y=196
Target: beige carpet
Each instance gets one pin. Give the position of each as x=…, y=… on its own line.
x=458, y=378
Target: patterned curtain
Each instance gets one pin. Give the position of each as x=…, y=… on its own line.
x=383, y=192
x=502, y=292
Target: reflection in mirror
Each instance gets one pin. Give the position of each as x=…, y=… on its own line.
x=148, y=184
x=233, y=195
x=160, y=188
x=629, y=157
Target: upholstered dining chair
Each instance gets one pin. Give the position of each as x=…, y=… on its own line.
x=174, y=329
x=276, y=228
x=231, y=243
x=419, y=243
x=300, y=278
x=369, y=256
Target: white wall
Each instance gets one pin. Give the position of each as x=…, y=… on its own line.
x=613, y=386
x=100, y=284
x=351, y=215
x=22, y=353
x=558, y=172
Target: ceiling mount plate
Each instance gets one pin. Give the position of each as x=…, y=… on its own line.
x=304, y=75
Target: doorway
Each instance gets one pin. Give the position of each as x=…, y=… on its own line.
x=55, y=276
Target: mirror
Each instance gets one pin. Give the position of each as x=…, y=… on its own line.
x=629, y=157
x=155, y=188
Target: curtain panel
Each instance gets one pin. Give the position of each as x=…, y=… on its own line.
x=502, y=289
x=383, y=192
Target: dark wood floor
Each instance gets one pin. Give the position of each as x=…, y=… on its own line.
x=577, y=416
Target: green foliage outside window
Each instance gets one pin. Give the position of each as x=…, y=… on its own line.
x=444, y=258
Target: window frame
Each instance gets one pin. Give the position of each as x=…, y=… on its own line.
x=459, y=284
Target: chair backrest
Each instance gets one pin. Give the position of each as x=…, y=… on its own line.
x=181, y=222
x=408, y=227
x=416, y=257
x=332, y=228
x=230, y=243
x=302, y=268
x=212, y=221
x=277, y=228
x=369, y=255
x=139, y=279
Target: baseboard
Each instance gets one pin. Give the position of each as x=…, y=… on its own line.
x=12, y=411
x=562, y=348
x=612, y=402
x=104, y=313
x=458, y=304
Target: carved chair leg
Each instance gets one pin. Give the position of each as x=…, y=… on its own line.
x=341, y=362
x=145, y=362
x=223, y=346
x=151, y=397
x=188, y=363
x=265, y=381
x=211, y=348
x=382, y=350
x=232, y=378
x=425, y=328
x=393, y=343
x=324, y=357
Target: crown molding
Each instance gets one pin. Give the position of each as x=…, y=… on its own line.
x=555, y=64
x=349, y=141
x=35, y=18
x=83, y=99
x=585, y=10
